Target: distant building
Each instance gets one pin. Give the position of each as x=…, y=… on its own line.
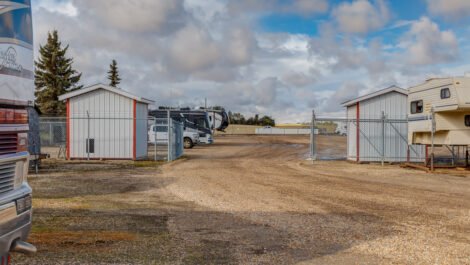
x=370, y=139
x=104, y=122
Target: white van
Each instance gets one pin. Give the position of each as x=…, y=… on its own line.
x=158, y=134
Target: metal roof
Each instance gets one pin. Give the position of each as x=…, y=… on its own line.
x=108, y=88
x=375, y=94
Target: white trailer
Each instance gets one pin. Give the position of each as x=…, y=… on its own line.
x=448, y=101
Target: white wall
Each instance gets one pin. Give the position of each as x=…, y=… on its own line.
x=371, y=143
x=111, y=125
x=141, y=130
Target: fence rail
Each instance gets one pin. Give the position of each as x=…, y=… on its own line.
x=381, y=139
x=281, y=131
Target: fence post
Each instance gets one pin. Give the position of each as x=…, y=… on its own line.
x=383, y=138
x=433, y=131
x=155, y=137
x=50, y=134
x=88, y=136
x=313, y=147
x=168, y=123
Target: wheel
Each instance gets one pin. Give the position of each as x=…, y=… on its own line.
x=188, y=143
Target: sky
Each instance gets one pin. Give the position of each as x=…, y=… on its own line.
x=281, y=58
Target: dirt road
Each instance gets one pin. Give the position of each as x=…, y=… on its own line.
x=251, y=200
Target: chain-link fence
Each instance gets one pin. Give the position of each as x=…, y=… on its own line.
x=95, y=138
x=381, y=139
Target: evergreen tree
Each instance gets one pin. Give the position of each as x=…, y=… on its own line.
x=54, y=76
x=113, y=74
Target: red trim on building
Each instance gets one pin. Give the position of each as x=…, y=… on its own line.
x=358, y=132
x=67, y=140
x=134, y=144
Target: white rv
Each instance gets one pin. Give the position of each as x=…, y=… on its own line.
x=449, y=100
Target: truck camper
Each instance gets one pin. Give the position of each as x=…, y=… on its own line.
x=442, y=104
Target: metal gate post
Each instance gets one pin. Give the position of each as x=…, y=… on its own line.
x=88, y=136
x=433, y=131
x=155, y=137
x=383, y=138
x=313, y=147
x=169, y=136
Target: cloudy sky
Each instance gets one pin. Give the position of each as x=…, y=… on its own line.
x=276, y=57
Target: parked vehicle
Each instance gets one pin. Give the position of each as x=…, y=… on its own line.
x=17, y=94
x=159, y=134
x=218, y=119
x=195, y=121
x=448, y=99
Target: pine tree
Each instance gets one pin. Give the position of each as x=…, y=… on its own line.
x=54, y=76
x=113, y=74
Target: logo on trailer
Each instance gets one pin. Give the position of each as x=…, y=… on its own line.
x=8, y=60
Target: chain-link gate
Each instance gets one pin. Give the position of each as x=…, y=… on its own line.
x=383, y=140
x=105, y=138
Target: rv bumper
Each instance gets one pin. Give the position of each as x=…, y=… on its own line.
x=15, y=207
x=14, y=229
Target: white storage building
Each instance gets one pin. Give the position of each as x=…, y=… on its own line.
x=104, y=122
x=378, y=128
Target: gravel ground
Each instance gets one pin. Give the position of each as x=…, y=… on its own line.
x=249, y=200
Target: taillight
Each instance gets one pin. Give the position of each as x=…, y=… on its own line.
x=13, y=116
x=21, y=116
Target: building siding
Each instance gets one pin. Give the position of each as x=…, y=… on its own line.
x=110, y=124
x=141, y=130
x=393, y=146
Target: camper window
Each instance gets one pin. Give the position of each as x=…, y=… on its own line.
x=467, y=120
x=445, y=93
x=417, y=107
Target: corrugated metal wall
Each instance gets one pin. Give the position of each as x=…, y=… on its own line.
x=141, y=130
x=111, y=125
x=394, y=145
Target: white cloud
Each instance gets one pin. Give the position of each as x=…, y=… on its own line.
x=193, y=49
x=450, y=9
x=307, y=7
x=298, y=7
x=361, y=17
x=179, y=52
x=136, y=15
x=427, y=44
x=57, y=6
x=347, y=91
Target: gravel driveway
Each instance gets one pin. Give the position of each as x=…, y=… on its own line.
x=249, y=200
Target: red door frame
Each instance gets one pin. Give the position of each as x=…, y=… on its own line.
x=67, y=125
x=358, y=132
x=134, y=142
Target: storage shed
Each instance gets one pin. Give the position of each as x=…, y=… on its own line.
x=378, y=128
x=104, y=122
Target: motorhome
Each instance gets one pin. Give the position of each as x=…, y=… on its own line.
x=442, y=103
x=194, y=121
x=218, y=119
x=17, y=87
